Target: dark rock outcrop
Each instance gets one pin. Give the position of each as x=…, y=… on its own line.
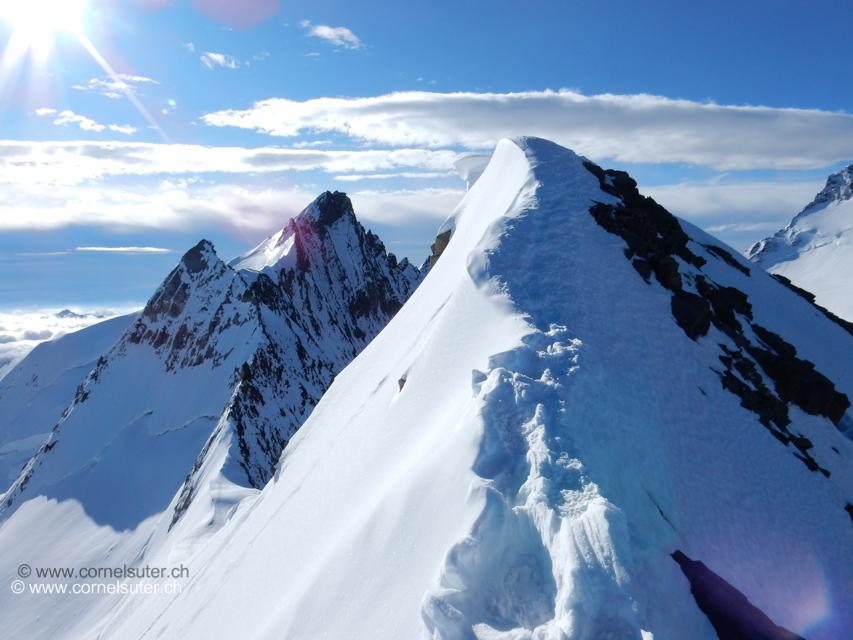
x=438, y=247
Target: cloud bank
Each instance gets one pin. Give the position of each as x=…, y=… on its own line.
x=39, y=163
x=626, y=128
x=21, y=332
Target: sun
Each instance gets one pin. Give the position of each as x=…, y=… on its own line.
x=35, y=23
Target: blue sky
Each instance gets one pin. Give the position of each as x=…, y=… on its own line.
x=221, y=119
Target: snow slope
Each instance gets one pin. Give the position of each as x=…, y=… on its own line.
x=203, y=390
x=578, y=390
x=815, y=251
x=34, y=394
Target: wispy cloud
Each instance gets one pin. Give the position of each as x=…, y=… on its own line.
x=626, y=128
x=387, y=176
x=114, y=87
x=340, y=36
x=125, y=249
x=210, y=60
x=189, y=45
x=86, y=124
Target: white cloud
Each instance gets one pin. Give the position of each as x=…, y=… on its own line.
x=626, y=128
x=340, y=36
x=697, y=200
x=143, y=205
x=87, y=124
x=125, y=128
x=405, y=206
x=83, y=122
x=114, y=87
x=189, y=45
x=52, y=163
x=210, y=60
x=309, y=144
x=125, y=249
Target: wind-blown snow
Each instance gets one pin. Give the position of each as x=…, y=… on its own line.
x=556, y=437
x=815, y=251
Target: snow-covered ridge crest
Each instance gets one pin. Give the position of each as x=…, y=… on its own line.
x=577, y=575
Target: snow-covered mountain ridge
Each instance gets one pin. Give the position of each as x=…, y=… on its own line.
x=584, y=418
x=815, y=251
x=260, y=346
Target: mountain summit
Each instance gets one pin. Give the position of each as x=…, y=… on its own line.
x=591, y=420
x=815, y=251
x=230, y=357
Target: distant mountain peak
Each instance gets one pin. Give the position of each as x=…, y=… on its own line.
x=815, y=250
x=67, y=313
x=839, y=187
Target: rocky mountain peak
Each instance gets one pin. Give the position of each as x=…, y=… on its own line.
x=839, y=187
x=329, y=207
x=199, y=257
x=198, y=264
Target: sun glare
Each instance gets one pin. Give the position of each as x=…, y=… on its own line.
x=36, y=22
